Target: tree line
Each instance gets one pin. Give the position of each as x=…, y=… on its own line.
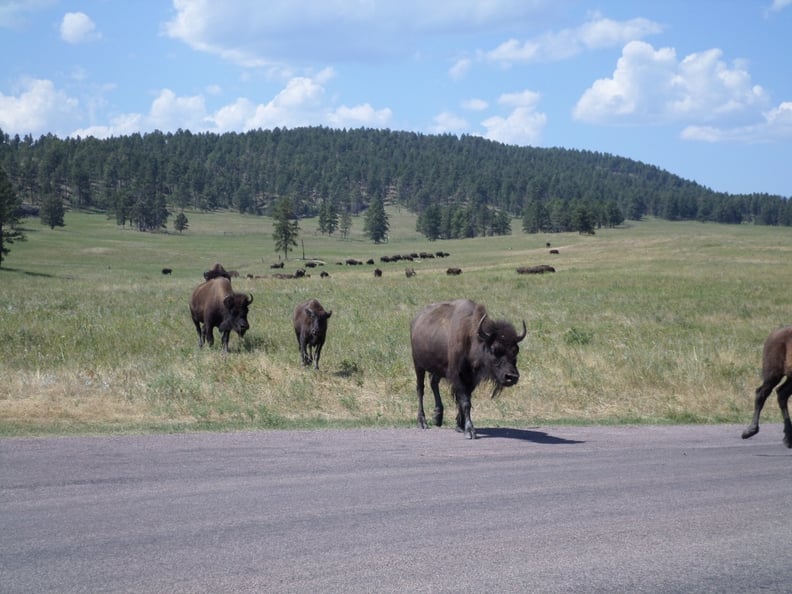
x=458, y=186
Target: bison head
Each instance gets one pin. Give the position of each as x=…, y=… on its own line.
x=499, y=348
x=318, y=321
x=236, y=311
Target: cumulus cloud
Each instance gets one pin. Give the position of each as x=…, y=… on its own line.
x=775, y=125
x=36, y=109
x=448, y=123
x=598, y=32
x=475, y=104
x=460, y=68
x=652, y=85
x=523, y=125
x=77, y=27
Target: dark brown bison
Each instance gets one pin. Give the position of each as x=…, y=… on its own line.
x=310, y=326
x=167, y=270
x=538, y=269
x=377, y=272
x=459, y=342
x=776, y=367
x=454, y=271
x=214, y=304
x=409, y=272
x=216, y=271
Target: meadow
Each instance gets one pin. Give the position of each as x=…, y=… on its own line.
x=653, y=322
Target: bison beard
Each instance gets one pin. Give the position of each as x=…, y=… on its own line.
x=457, y=341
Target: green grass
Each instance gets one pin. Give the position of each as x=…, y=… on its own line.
x=656, y=322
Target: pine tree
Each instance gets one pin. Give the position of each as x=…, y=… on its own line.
x=181, y=223
x=52, y=212
x=9, y=217
x=287, y=228
x=376, y=223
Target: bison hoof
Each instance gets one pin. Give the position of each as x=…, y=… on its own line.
x=437, y=419
x=788, y=441
x=422, y=423
x=471, y=434
x=750, y=432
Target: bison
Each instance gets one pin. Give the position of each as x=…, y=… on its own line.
x=776, y=367
x=216, y=271
x=459, y=342
x=454, y=271
x=214, y=303
x=310, y=326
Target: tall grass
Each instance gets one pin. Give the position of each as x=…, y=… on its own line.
x=652, y=323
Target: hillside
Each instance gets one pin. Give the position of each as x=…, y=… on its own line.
x=467, y=177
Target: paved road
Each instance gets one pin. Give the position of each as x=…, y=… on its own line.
x=550, y=509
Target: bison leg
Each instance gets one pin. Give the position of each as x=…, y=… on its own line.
x=783, y=399
x=317, y=351
x=762, y=392
x=200, y=334
x=437, y=417
x=226, y=335
x=420, y=375
x=464, y=424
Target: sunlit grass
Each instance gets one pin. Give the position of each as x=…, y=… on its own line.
x=656, y=322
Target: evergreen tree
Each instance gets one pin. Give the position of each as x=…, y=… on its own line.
x=9, y=217
x=52, y=212
x=287, y=228
x=376, y=223
x=430, y=222
x=346, y=223
x=181, y=223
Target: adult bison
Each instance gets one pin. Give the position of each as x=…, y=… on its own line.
x=214, y=304
x=776, y=366
x=459, y=342
x=310, y=326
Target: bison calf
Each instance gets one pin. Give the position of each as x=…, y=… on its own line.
x=214, y=304
x=310, y=326
x=459, y=342
x=776, y=367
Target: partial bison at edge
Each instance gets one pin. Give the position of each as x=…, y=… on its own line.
x=310, y=326
x=214, y=304
x=459, y=342
x=776, y=366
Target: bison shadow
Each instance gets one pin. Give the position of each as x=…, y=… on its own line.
x=523, y=435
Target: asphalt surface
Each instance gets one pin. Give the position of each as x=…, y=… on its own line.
x=543, y=509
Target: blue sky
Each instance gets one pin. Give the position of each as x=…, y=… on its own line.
x=702, y=88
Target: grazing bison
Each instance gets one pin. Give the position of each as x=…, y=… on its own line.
x=167, y=270
x=214, y=303
x=310, y=326
x=216, y=271
x=454, y=271
x=538, y=269
x=459, y=342
x=776, y=367
x=409, y=272
x=377, y=272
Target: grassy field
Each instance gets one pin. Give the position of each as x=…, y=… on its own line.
x=655, y=322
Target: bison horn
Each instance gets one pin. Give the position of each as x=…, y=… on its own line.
x=250, y=298
x=525, y=331
x=479, y=331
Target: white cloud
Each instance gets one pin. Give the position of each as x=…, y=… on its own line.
x=359, y=116
x=77, y=27
x=596, y=33
x=253, y=33
x=652, y=86
x=523, y=126
x=460, y=68
x=38, y=108
x=446, y=122
x=13, y=13
x=475, y=104
x=776, y=125
x=778, y=6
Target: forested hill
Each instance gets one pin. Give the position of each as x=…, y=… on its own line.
x=441, y=175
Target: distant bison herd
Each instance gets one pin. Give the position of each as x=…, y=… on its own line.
x=455, y=341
